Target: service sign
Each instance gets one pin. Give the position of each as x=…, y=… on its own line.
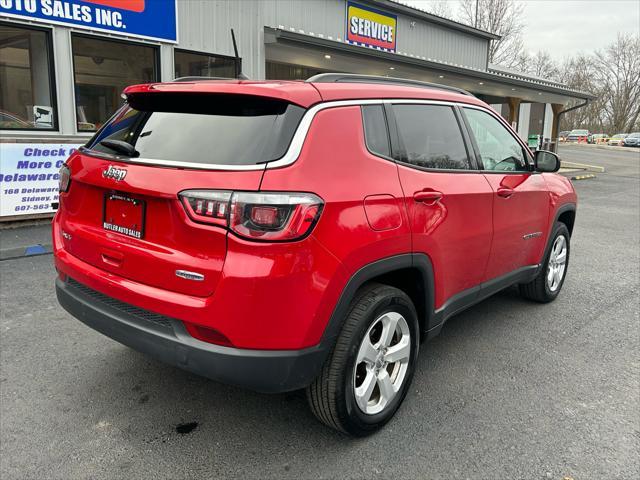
x=152, y=19
x=29, y=176
x=370, y=27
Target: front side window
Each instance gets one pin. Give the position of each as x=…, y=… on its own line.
x=430, y=137
x=498, y=149
x=190, y=64
x=102, y=69
x=26, y=98
x=214, y=129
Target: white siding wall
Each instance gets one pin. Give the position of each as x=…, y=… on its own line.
x=523, y=120
x=548, y=121
x=204, y=25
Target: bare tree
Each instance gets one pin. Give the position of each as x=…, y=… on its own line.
x=541, y=65
x=502, y=17
x=579, y=73
x=618, y=75
x=442, y=8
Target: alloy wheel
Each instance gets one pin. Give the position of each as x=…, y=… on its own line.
x=382, y=363
x=557, y=263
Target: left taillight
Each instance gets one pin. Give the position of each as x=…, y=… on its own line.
x=208, y=206
x=261, y=216
x=64, y=178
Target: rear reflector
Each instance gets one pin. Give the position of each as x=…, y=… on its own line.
x=208, y=335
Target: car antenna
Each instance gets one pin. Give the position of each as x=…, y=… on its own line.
x=238, y=62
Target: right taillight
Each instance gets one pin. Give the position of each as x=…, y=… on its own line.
x=262, y=216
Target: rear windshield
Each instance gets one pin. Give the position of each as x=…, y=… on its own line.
x=580, y=132
x=216, y=129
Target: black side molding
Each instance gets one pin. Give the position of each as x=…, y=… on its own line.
x=380, y=267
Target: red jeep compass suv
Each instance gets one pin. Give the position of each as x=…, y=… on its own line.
x=289, y=235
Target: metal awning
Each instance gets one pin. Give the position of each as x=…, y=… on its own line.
x=296, y=47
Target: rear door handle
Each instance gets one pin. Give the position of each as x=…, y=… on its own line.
x=428, y=197
x=505, y=192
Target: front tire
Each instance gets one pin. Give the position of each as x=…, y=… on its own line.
x=548, y=283
x=368, y=374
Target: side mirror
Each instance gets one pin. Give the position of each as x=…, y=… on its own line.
x=545, y=161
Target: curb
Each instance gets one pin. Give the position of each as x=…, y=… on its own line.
x=583, y=177
x=582, y=166
x=30, y=251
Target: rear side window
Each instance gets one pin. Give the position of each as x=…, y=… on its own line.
x=430, y=137
x=215, y=129
x=375, y=130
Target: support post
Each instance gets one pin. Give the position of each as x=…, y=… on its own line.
x=514, y=109
x=555, y=124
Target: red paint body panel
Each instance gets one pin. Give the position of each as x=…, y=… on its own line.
x=455, y=232
x=335, y=164
x=383, y=212
x=524, y=212
x=171, y=241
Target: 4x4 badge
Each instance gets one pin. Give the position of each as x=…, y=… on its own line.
x=115, y=173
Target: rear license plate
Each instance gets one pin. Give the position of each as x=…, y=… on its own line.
x=123, y=214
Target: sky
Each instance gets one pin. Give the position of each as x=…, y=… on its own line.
x=568, y=27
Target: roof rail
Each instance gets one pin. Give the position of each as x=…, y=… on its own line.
x=196, y=79
x=356, y=78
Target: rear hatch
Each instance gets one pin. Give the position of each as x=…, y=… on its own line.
x=122, y=212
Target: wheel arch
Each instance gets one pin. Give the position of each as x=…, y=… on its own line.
x=412, y=273
x=568, y=217
x=564, y=214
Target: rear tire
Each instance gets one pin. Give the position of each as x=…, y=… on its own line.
x=548, y=283
x=369, y=371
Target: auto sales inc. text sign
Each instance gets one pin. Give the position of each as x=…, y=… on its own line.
x=29, y=176
x=370, y=27
x=152, y=19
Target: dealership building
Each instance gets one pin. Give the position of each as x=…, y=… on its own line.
x=64, y=63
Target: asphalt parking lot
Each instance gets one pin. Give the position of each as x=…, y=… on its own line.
x=509, y=390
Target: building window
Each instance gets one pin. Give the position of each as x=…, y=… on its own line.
x=102, y=69
x=190, y=64
x=285, y=71
x=26, y=81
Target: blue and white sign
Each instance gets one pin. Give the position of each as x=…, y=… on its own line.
x=152, y=19
x=29, y=176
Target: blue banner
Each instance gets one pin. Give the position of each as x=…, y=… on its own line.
x=152, y=19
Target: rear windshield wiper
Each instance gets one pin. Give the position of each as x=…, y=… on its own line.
x=120, y=147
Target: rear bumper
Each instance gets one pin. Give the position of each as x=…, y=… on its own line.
x=166, y=339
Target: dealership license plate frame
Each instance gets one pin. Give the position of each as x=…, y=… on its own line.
x=137, y=205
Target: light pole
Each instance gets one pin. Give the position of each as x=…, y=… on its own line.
x=476, y=23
